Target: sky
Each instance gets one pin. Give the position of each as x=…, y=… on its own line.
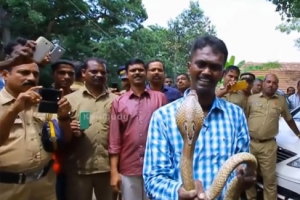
x=246, y=26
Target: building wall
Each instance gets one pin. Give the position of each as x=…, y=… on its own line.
x=286, y=78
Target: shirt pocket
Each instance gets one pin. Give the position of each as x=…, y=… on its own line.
x=275, y=111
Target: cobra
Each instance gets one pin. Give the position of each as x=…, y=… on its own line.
x=189, y=119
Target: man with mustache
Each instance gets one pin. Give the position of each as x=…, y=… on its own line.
x=86, y=165
x=168, y=81
x=263, y=112
x=25, y=167
x=183, y=82
x=224, y=132
x=130, y=115
x=156, y=77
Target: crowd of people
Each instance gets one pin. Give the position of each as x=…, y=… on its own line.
x=130, y=147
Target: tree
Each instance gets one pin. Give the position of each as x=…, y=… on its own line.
x=75, y=24
x=188, y=25
x=287, y=8
x=292, y=26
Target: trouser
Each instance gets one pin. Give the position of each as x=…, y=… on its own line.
x=81, y=187
x=133, y=188
x=42, y=189
x=60, y=186
x=266, y=155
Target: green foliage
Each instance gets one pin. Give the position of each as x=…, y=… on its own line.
x=262, y=67
x=292, y=26
x=110, y=29
x=287, y=8
x=230, y=61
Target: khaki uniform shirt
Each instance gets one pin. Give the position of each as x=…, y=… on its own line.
x=263, y=115
x=23, y=149
x=236, y=98
x=89, y=154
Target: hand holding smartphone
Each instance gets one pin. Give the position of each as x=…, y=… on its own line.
x=84, y=120
x=56, y=53
x=42, y=48
x=49, y=101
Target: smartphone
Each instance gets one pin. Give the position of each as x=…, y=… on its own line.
x=115, y=86
x=56, y=53
x=50, y=95
x=84, y=120
x=42, y=48
x=49, y=100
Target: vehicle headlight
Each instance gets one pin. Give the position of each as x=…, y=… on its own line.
x=295, y=163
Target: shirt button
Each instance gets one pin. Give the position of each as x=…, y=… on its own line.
x=141, y=146
x=141, y=122
x=141, y=134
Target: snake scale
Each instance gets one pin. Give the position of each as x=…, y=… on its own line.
x=189, y=119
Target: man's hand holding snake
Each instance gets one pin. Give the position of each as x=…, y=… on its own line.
x=246, y=177
x=197, y=194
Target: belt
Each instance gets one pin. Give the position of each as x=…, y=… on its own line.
x=262, y=141
x=22, y=178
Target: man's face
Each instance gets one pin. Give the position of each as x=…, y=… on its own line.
x=125, y=83
x=206, y=70
x=270, y=85
x=168, y=82
x=257, y=87
x=291, y=91
x=155, y=73
x=182, y=82
x=95, y=74
x=22, y=77
x=64, y=76
x=136, y=74
x=231, y=75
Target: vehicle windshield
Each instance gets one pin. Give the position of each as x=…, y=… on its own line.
x=296, y=114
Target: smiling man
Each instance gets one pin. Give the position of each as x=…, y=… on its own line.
x=225, y=132
x=156, y=77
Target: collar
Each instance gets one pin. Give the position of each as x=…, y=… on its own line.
x=274, y=96
x=163, y=89
x=217, y=104
x=5, y=97
x=145, y=93
x=84, y=91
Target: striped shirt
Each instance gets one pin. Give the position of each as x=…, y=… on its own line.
x=224, y=133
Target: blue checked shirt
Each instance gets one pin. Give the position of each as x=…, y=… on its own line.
x=224, y=133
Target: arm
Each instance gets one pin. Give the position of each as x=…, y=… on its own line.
x=6, y=123
x=289, y=119
x=221, y=93
x=114, y=141
x=158, y=167
x=65, y=125
x=247, y=109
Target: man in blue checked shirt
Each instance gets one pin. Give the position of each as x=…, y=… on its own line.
x=224, y=132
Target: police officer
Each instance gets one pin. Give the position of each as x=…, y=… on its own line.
x=25, y=167
x=124, y=79
x=249, y=77
x=230, y=77
x=263, y=112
